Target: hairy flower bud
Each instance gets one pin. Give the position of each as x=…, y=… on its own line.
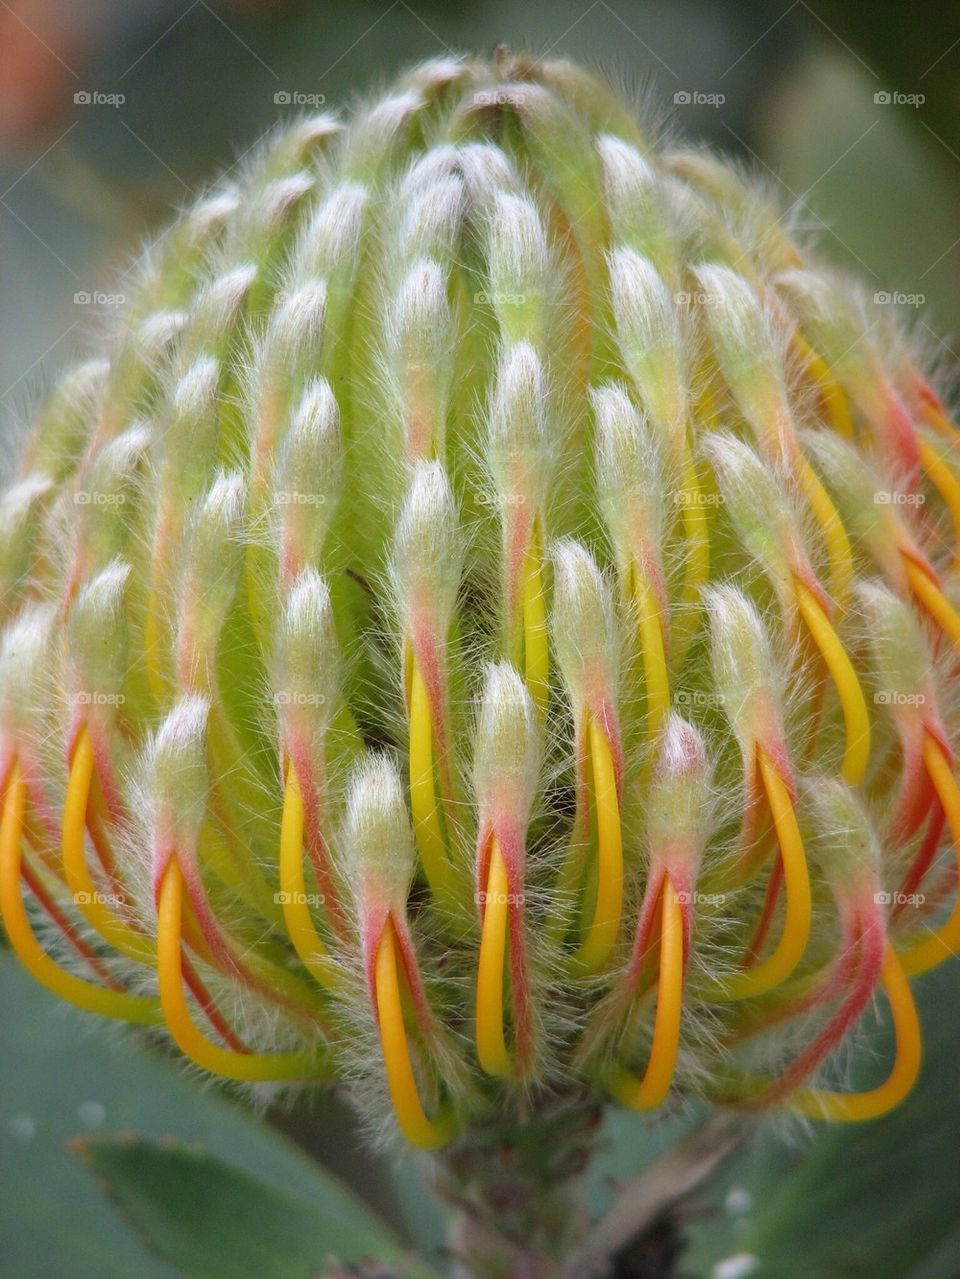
x=480, y=624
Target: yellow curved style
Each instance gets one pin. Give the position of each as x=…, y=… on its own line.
x=605, y=924
x=533, y=608
x=945, y=482
x=848, y=1108
x=944, y=942
x=648, y=1092
x=832, y=530
x=934, y=601
x=245, y=1067
x=796, y=925
x=88, y=898
x=419, y=1130
x=696, y=536
x=834, y=397
x=492, y=1050
x=307, y=942
x=83, y=994
x=423, y=787
x=855, y=717
x=653, y=652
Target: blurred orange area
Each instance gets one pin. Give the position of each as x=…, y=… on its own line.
x=43, y=44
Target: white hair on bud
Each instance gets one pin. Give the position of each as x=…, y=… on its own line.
x=518, y=413
x=176, y=768
x=103, y=594
x=507, y=751
x=377, y=841
x=742, y=661
x=195, y=391
x=420, y=321
x=333, y=232
x=159, y=331
x=307, y=665
x=487, y=171
x=517, y=242
x=432, y=220
x=583, y=622
x=630, y=469
x=426, y=170
x=650, y=335
x=18, y=501
x=427, y=561
x=220, y=302
x=281, y=196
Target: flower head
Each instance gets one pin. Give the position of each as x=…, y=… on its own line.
x=487, y=630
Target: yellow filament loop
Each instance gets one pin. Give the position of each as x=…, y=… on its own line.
x=423, y=787
x=856, y=1107
x=418, y=1129
x=491, y=1045
x=796, y=925
x=307, y=942
x=247, y=1067
x=696, y=534
x=648, y=1093
x=832, y=531
x=934, y=601
x=944, y=943
x=84, y=994
x=834, y=398
x=605, y=925
x=653, y=652
x=536, y=657
x=948, y=486
x=855, y=718
x=86, y=895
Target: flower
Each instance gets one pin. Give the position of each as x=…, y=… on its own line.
x=486, y=631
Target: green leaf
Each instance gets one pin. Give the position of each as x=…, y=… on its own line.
x=214, y=1221
x=879, y=1200
x=64, y=1074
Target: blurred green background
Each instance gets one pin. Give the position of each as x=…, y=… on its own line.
x=852, y=113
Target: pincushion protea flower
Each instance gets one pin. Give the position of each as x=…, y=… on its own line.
x=484, y=636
